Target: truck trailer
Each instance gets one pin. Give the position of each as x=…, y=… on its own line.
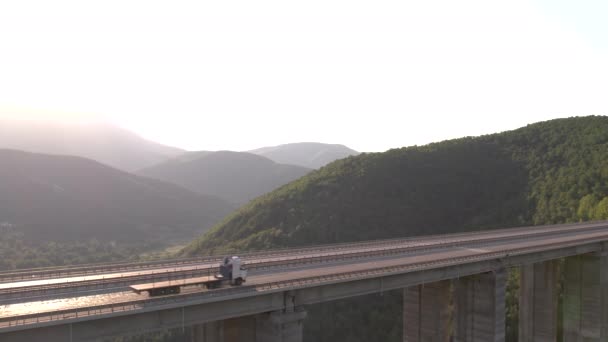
x=231, y=272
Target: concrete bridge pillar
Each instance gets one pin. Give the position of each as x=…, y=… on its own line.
x=426, y=312
x=278, y=326
x=586, y=298
x=538, y=302
x=208, y=332
x=479, y=303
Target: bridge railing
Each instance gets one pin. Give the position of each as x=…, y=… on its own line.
x=46, y=273
x=283, y=261
x=201, y=297
x=61, y=271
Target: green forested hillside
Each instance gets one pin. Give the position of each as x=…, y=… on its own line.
x=549, y=172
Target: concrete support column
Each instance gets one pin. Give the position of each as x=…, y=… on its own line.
x=208, y=332
x=538, y=302
x=241, y=329
x=479, y=303
x=426, y=312
x=280, y=326
x=586, y=298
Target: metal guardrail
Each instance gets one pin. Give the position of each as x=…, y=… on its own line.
x=83, y=270
x=76, y=270
x=286, y=284
x=284, y=261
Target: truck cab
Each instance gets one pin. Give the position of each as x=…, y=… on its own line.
x=232, y=270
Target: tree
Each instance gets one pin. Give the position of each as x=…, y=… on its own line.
x=601, y=211
x=586, y=207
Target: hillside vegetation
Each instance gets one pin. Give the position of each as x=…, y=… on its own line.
x=548, y=172
x=237, y=177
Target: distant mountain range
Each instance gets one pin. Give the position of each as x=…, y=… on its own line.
x=125, y=150
x=105, y=143
x=233, y=176
x=51, y=197
x=308, y=154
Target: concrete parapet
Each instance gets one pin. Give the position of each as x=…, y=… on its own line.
x=426, y=312
x=586, y=298
x=538, y=302
x=479, y=303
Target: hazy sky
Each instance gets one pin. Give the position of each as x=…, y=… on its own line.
x=242, y=74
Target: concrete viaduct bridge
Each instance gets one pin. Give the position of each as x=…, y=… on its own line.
x=92, y=303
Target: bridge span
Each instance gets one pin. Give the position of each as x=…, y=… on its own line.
x=93, y=303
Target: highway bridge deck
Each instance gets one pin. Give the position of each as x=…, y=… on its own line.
x=500, y=248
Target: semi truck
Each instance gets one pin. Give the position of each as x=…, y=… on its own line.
x=231, y=272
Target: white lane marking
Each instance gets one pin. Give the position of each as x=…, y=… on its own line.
x=476, y=250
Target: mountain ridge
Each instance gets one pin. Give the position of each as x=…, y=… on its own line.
x=52, y=197
x=103, y=142
x=234, y=176
x=312, y=155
